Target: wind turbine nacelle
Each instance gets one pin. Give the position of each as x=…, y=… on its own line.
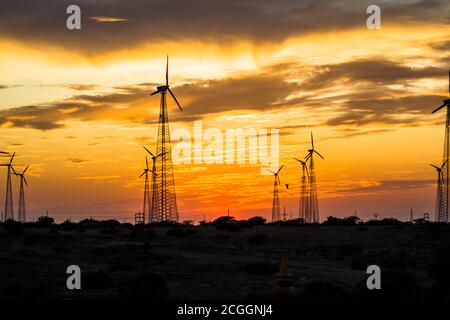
x=162, y=88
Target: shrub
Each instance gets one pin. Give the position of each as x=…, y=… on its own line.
x=68, y=225
x=44, y=222
x=347, y=221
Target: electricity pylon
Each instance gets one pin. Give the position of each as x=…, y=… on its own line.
x=276, y=215
x=9, y=210
x=166, y=200
x=442, y=212
x=313, y=200
x=303, y=206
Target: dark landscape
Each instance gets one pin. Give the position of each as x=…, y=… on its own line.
x=224, y=259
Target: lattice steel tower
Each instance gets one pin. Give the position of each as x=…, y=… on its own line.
x=165, y=201
x=22, y=208
x=9, y=209
x=303, y=206
x=313, y=200
x=442, y=208
x=276, y=214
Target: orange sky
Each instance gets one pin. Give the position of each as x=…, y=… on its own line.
x=77, y=108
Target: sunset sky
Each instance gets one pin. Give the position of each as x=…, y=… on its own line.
x=75, y=105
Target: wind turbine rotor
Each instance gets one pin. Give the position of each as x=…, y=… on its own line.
x=149, y=151
x=176, y=101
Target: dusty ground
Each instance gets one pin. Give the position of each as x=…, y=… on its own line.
x=206, y=263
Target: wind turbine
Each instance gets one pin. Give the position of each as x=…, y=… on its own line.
x=146, y=191
x=9, y=210
x=22, y=210
x=276, y=216
x=166, y=201
x=152, y=207
x=303, y=207
x=442, y=215
x=313, y=200
x=439, y=190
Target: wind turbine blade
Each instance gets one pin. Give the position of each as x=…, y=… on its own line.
x=148, y=151
x=271, y=171
x=3, y=152
x=167, y=70
x=280, y=168
x=279, y=182
x=444, y=164
x=25, y=180
x=10, y=161
x=146, y=162
x=25, y=169
x=14, y=171
x=155, y=92
x=173, y=96
x=319, y=154
x=312, y=140
x=435, y=166
x=153, y=172
x=142, y=174
x=439, y=108
x=298, y=160
x=161, y=154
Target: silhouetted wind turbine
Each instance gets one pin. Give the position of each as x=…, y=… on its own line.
x=313, y=200
x=303, y=207
x=166, y=201
x=276, y=215
x=442, y=215
x=146, y=191
x=439, y=190
x=22, y=208
x=9, y=210
x=152, y=204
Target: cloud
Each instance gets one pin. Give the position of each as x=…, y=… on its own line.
x=220, y=21
x=77, y=160
x=108, y=19
x=375, y=70
x=81, y=87
x=387, y=186
x=98, y=178
x=442, y=45
x=367, y=97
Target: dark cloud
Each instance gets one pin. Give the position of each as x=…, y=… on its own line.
x=443, y=45
x=374, y=70
x=219, y=21
x=77, y=160
x=389, y=185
